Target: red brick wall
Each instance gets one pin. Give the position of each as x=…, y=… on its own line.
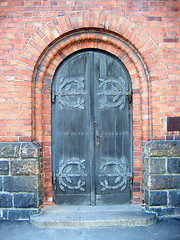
x=35, y=36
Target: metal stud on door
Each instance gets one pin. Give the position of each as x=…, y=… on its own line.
x=91, y=130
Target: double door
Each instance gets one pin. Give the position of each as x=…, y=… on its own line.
x=91, y=130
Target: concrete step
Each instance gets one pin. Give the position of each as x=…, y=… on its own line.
x=92, y=216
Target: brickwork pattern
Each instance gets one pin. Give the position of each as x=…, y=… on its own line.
x=36, y=36
x=162, y=177
x=20, y=192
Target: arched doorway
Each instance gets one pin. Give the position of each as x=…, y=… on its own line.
x=92, y=130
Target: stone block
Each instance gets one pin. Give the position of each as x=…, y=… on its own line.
x=5, y=200
x=146, y=164
x=157, y=182
x=19, y=214
x=173, y=165
x=30, y=150
x=163, y=148
x=155, y=198
x=161, y=211
x=25, y=168
x=155, y=165
x=25, y=200
x=174, y=198
x=21, y=184
x=4, y=167
x=9, y=150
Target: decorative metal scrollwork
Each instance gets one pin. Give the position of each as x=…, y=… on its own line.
x=71, y=92
x=114, y=169
x=70, y=174
x=112, y=93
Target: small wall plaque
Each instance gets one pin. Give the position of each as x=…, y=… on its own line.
x=173, y=123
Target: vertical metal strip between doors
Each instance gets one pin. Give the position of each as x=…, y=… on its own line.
x=91, y=119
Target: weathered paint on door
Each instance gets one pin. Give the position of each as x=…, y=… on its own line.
x=91, y=130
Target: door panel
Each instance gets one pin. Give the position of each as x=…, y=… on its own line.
x=113, y=128
x=70, y=133
x=91, y=130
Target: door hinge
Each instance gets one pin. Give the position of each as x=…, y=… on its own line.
x=54, y=181
x=131, y=179
x=53, y=96
x=129, y=95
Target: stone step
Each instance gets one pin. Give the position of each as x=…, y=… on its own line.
x=92, y=216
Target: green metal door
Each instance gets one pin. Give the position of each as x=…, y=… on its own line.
x=91, y=130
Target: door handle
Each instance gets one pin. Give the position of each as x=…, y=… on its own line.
x=97, y=139
x=98, y=136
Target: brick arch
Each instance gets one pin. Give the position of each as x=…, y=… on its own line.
x=81, y=30
x=46, y=70
x=109, y=23
x=98, y=40
x=135, y=42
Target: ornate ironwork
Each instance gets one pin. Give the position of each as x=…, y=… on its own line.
x=66, y=174
x=117, y=170
x=71, y=92
x=112, y=93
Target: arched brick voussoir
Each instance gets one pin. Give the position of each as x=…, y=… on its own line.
x=57, y=59
x=87, y=39
x=99, y=21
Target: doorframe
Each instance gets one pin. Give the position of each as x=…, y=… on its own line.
x=43, y=75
